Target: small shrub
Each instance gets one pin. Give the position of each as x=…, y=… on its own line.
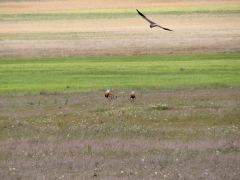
x=159, y=107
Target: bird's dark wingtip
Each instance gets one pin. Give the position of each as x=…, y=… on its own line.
x=140, y=13
x=167, y=29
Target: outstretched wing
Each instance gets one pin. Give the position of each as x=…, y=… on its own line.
x=151, y=22
x=164, y=28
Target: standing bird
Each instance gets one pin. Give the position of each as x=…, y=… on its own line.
x=109, y=95
x=152, y=24
x=132, y=96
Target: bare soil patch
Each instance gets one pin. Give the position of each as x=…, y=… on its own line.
x=103, y=4
x=193, y=33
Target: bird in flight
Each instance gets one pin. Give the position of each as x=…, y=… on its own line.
x=152, y=24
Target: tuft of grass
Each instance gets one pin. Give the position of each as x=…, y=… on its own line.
x=158, y=107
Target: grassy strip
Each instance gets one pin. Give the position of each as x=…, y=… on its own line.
x=156, y=9
x=113, y=13
x=152, y=71
x=160, y=9
x=54, y=35
x=59, y=35
x=68, y=35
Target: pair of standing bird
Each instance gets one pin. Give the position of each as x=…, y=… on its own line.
x=112, y=96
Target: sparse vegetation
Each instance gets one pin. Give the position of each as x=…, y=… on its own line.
x=196, y=135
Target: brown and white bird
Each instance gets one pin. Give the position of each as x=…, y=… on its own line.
x=132, y=96
x=152, y=24
x=109, y=95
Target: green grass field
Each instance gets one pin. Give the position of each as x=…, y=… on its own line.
x=138, y=72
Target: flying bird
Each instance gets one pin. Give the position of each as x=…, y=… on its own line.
x=152, y=24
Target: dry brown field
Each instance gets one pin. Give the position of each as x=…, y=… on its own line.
x=193, y=33
x=52, y=5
